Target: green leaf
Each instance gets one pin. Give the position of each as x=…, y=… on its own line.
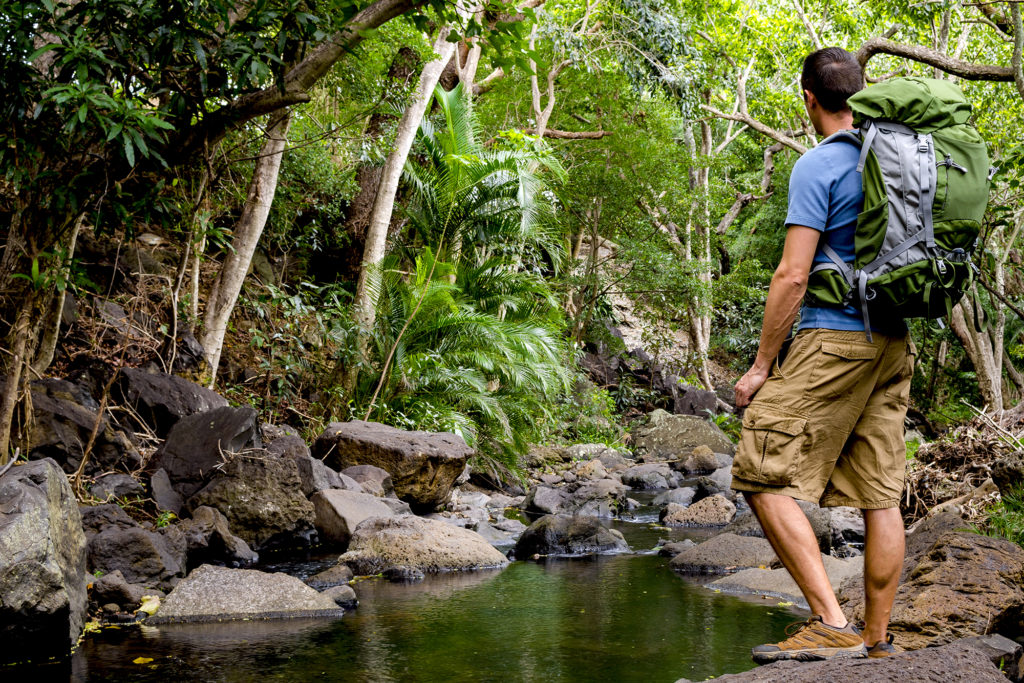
x=129, y=151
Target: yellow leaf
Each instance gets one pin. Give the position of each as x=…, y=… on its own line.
x=142, y=660
x=785, y=603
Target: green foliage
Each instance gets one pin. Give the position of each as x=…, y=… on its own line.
x=1006, y=518
x=588, y=414
x=458, y=367
x=738, y=307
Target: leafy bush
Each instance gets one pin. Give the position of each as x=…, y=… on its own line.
x=1006, y=518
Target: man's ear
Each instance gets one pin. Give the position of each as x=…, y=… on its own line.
x=810, y=99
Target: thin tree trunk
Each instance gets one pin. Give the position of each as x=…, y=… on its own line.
x=246, y=236
x=51, y=326
x=368, y=286
x=978, y=345
x=9, y=399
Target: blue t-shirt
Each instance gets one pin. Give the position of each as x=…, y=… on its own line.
x=825, y=194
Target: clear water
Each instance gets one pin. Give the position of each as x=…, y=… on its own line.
x=610, y=618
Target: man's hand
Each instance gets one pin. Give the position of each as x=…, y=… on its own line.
x=749, y=385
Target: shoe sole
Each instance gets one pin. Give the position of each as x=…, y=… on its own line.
x=810, y=655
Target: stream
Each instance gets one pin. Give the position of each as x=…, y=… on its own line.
x=605, y=618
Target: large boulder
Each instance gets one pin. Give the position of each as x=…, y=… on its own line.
x=220, y=594
x=148, y=558
x=209, y=540
x=569, y=535
x=199, y=444
x=671, y=437
x=427, y=545
x=725, y=553
x=545, y=500
x=711, y=511
x=261, y=496
x=338, y=513
x=955, y=663
x=42, y=563
x=423, y=465
x=601, y=498
x=160, y=400
x=649, y=476
x=63, y=418
x=964, y=584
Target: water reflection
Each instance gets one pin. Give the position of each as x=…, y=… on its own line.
x=622, y=618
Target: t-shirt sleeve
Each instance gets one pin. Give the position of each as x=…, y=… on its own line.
x=809, y=187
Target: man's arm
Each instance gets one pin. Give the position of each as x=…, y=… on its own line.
x=784, y=296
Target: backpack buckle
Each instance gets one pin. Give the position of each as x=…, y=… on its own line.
x=958, y=255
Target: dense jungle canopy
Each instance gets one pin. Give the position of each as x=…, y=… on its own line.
x=432, y=214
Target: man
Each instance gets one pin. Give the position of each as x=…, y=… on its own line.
x=826, y=425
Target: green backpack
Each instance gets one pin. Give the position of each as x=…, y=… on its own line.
x=925, y=172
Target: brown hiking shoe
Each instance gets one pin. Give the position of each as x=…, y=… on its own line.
x=882, y=648
x=812, y=640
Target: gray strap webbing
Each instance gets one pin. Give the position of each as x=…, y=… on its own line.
x=869, y=137
x=927, y=186
x=842, y=266
x=916, y=238
x=862, y=290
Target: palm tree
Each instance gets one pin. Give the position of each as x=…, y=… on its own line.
x=459, y=365
x=473, y=203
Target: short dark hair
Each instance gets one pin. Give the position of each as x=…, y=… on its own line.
x=832, y=75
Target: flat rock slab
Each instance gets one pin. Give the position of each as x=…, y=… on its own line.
x=778, y=583
x=951, y=663
x=220, y=594
x=725, y=553
x=423, y=465
x=380, y=543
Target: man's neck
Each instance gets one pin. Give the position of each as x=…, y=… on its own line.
x=833, y=123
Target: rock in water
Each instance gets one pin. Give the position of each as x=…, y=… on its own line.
x=425, y=544
x=671, y=437
x=779, y=584
x=725, y=553
x=963, y=585
x=545, y=499
x=649, y=476
x=569, y=535
x=144, y=557
x=711, y=511
x=423, y=465
x=42, y=563
x=220, y=594
x=160, y=400
x=200, y=443
x=339, y=512
x=261, y=496
x=954, y=663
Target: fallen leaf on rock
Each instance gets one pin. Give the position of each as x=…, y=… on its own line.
x=142, y=660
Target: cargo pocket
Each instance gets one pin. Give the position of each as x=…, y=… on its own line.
x=840, y=368
x=771, y=446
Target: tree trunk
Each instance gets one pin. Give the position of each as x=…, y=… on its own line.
x=51, y=324
x=16, y=366
x=243, y=244
x=368, y=285
x=979, y=348
x=403, y=68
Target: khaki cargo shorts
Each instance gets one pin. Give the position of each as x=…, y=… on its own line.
x=827, y=426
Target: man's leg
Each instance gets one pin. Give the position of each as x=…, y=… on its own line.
x=884, y=542
x=787, y=529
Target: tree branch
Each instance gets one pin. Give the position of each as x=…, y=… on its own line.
x=815, y=40
x=297, y=81
x=759, y=127
x=1018, y=48
x=924, y=55
x=570, y=134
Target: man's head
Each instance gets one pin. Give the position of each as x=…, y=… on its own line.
x=829, y=77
